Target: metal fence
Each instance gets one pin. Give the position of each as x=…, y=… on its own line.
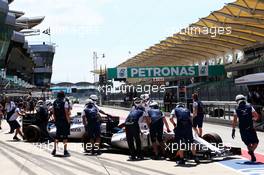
x=225, y=90
x=218, y=112
x=222, y=112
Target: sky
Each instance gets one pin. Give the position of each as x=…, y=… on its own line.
x=119, y=29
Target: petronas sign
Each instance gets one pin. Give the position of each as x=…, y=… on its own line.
x=165, y=71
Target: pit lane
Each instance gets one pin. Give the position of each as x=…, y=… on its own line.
x=28, y=158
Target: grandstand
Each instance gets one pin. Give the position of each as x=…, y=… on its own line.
x=23, y=65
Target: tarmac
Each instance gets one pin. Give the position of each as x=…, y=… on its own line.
x=19, y=158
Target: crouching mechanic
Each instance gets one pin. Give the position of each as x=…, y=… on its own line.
x=92, y=126
x=183, y=132
x=133, y=129
x=43, y=118
x=245, y=113
x=156, y=121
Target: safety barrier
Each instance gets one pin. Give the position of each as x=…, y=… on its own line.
x=221, y=112
x=218, y=112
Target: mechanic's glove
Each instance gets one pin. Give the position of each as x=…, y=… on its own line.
x=108, y=115
x=233, y=133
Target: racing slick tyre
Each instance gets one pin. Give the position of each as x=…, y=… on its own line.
x=32, y=133
x=213, y=138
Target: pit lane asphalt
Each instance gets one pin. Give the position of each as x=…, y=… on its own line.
x=19, y=158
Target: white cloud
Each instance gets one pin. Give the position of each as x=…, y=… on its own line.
x=63, y=13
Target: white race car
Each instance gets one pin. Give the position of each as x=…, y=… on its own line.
x=77, y=129
x=113, y=135
x=207, y=147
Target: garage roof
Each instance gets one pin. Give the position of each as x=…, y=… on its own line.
x=245, y=18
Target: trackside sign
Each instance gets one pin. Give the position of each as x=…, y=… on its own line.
x=167, y=71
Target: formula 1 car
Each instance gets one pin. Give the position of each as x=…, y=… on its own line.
x=77, y=129
x=114, y=136
x=35, y=133
x=208, y=147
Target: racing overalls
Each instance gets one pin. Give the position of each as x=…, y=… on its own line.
x=93, y=125
x=43, y=118
x=156, y=126
x=198, y=120
x=133, y=131
x=61, y=122
x=183, y=130
x=247, y=131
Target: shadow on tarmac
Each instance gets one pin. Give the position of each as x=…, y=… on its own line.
x=189, y=163
x=13, y=140
x=9, y=133
x=186, y=165
x=60, y=156
x=250, y=163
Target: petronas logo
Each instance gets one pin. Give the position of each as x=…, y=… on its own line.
x=122, y=72
x=203, y=70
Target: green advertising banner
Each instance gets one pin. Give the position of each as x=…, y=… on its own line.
x=166, y=71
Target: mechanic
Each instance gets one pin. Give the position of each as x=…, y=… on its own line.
x=14, y=123
x=133, y=129
x=146, y=101
x=183, y=132
x=2, y=103
x=1, y=115
x=245, y=113
x=95, y=99
x=62, y=121
x=43, y=118
x=67, y=100
x=198, y=115
x=156, y=120
x=10, y=108
x=49, y=105
x=31, y=104
x=92, y=126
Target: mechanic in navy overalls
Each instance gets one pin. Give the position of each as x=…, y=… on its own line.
x=183, y=132
x=92, y=126
x=133, y=129
x=156, y=121
x=198, y=115
x=245, y=113
x=61, y=114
